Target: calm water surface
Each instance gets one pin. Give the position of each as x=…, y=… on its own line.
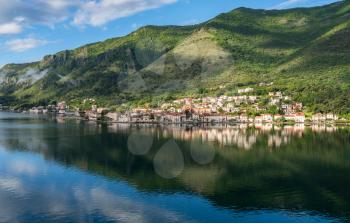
x=53, y=170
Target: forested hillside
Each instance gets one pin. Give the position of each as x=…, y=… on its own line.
x=305, y=52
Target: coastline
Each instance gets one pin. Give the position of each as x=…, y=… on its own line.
x=105, y=120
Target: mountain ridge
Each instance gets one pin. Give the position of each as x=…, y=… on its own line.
x=254, y=46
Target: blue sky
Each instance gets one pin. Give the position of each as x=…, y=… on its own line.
x=30, y=29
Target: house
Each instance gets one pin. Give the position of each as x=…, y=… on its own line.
x=253, y=99
x=229, y=107
x=166, y=106
x=287, y=98
x=299, y=117
x=289, y=117
x=174, y=118
x=258, y=119
x=113, y=116
x=136, y=117
x=245, y=90
x=243, y=118
x=188, y=101
x=287, y=109
x=275, y=101
x=331, y=117
x=124, y=118
x=36, y=110
x=277, y=117
x=265, y=84
x=279, y=94
x=196, y=117
x=172, y=110
x=267, y=118
x=179, y=101
x=214, y=109
x=159, y=117
x=140, y=110
x=102, y=111
x=233, y=118
x=156, y=111
x=93, y=115
x=297, y=107
x=61, y=112
x=201, y=110
x=51, y=108
x=215, y=118
x=62, y=105
x=319, y=118
x=147, y=118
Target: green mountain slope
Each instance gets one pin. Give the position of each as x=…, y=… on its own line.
x=305, y=52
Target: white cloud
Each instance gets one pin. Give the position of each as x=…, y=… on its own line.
x=11, y=184
x=10, y=28
x=98, y=13
x=287, y=4
x=32, y=12
x=190, y=22
x=21, y=45
x=13, y=27
x=80, y=12
x=61, y=4
x=23, y=167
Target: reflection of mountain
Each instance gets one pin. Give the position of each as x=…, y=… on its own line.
x=305, y=173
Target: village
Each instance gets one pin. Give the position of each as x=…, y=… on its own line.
x=244, y=107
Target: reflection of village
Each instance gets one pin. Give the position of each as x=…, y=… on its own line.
x=244, y=107
x=244, y=136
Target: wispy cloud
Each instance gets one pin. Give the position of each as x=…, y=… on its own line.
x=21, y=45
x=287, y=4
x=79, y=12
x=98, y=13
x=15, y=15
x=190, y=22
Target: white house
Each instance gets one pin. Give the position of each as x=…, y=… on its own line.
x=299, y=118
x=319, y=118
x=245, y=90
x=258, y=119
x=243, y=118
x=331, y=117
x=267, y=118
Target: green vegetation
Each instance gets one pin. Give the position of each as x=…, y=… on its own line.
x=305, y=52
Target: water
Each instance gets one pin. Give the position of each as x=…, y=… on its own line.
x=53, y=170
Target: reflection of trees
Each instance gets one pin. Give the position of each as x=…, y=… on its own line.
x=308, y=171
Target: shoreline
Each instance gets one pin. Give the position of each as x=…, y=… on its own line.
x=105, y=120
x=188, y=123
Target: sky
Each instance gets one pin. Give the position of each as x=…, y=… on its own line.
x=31, y=29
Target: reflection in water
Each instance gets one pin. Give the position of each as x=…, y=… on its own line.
x=169, y=161
x=243, y=136
x=79, y=171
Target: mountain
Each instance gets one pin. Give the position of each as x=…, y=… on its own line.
x=304, y=51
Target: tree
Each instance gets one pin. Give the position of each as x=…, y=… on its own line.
x=273, y=110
